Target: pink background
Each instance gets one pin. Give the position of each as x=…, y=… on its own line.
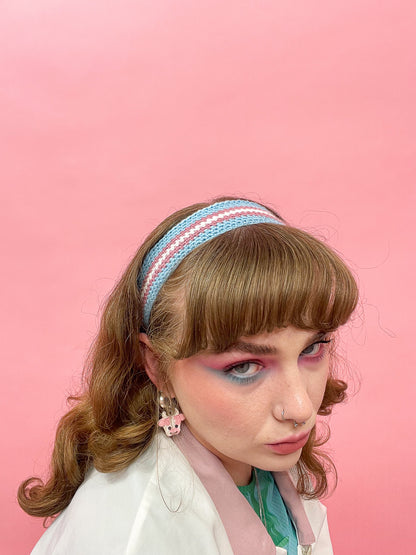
x=113, y=114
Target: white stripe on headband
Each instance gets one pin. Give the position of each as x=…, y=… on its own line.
x=184, y=237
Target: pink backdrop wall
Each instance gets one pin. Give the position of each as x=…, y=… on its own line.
x=112, y=114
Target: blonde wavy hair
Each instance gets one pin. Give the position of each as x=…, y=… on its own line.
x=247, y=281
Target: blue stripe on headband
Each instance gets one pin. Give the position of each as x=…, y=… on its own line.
x=180, y=240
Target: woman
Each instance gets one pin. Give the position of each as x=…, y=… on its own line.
x=220, y=333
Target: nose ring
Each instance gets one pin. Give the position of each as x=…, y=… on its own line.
x=295, y=424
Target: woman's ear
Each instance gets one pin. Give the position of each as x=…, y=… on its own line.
x=152, y=366
x=151, y=361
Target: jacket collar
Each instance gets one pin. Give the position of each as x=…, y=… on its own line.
x=245, y=531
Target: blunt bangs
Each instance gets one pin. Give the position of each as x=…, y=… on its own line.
x=257, y=278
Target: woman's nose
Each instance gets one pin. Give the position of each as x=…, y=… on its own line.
x=292, y=401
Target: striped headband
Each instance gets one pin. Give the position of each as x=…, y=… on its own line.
x=184, y=237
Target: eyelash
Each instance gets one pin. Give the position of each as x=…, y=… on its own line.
x=241, y=380
x=321, y=352
x=250, y=379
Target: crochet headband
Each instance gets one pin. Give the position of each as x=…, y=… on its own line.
x=196, y=229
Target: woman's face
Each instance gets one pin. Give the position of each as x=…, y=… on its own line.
x=234, y=401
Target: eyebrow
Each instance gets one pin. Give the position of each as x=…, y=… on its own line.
x=244, y=347
x=264, y=349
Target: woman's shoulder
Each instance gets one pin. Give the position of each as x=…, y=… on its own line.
x=102, y=511
x=146, y=505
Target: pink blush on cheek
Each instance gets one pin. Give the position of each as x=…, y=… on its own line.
x=212, y=405
x=203, y=401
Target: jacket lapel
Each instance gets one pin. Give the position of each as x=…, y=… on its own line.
x=295, y=506
x=245, y=531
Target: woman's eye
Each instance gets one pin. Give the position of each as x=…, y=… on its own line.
x=244, y=370
x=315, y=348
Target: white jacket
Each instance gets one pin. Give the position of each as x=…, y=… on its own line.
x=175, y=499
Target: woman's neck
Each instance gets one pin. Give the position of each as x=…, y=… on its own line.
x=239, y=472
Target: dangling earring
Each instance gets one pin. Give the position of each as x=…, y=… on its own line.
x=171, y=417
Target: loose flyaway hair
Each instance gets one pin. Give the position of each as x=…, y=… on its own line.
x=249, y=280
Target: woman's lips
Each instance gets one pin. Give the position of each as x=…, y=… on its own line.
x=289, y=445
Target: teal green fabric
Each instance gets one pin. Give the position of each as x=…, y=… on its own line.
x=278, y=522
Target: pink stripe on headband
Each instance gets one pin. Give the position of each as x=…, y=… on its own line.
x=189, y=234
x=185, y=236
